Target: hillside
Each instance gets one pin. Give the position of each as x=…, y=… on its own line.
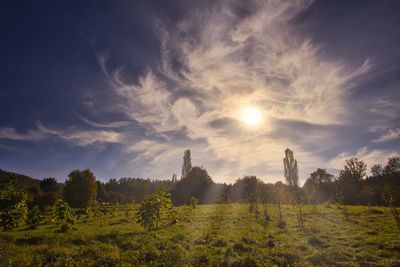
x=23, y=181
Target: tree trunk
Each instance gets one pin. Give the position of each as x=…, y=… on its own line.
x=300, y=214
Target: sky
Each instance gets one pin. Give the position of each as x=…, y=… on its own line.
x=124, y=87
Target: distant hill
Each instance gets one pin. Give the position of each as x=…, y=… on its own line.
x=22, y=181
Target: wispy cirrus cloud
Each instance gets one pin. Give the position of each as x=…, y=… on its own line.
x=215, y=63
x=116, y=124
x=389, y=135
x=12, y=134
x=72, y=135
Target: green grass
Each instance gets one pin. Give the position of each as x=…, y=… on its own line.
x=213, y=235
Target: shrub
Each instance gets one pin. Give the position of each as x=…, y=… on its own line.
x=12, y=206
x=34, y=217
x=154, y=208
x=193, y=202
x=63, y=215
x=131, y=210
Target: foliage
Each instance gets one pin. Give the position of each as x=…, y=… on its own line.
x=12, y=205
x=319, y=187
x=292, y=178
x=342, y=205
x=154, y=208
x=80, y=189
x=34, y=217
x=50, y=191
x=246, y=189
x=125, y=190
x=350, y=180
x=101, y=193
x=197, y=183
x=63, y=215
x=131, y=210
x=187, y=164
x=48, y=185
x=390, y=196
x=193, y=202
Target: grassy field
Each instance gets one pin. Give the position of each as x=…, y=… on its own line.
x=213, y=235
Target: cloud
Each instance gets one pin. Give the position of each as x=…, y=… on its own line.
x=72, y=135
x=213, y=64
x=389, y=135
x=369, y=156
x=12, y=134
x=116, y=124
x=82, y=137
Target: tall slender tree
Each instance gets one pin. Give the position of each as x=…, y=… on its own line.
x=291, y=173
x=187, y=163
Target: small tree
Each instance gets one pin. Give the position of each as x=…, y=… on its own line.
x=34, y=217
x=154, y=208
x=389, y=197
x=266, y=216
x=12, y=205
x=341, y=205
x=193, y=202
x=281, y=222
x=292, y=178
x=63, y=215
x=131, y=209
x=350, y=180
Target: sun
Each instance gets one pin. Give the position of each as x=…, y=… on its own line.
x=251, y=115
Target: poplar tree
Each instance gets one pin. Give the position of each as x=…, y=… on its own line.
x=291, y=173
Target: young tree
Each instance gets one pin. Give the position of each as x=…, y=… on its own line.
x=350, y=180
x=341, y=205
x=34, y=217
x=390, y=196
x=131, y=209
x=64, y=216
x=193, y=202
x=391, y=189
x=80, y=189
x=12, y=205
x=154, y=208
x=291, y=173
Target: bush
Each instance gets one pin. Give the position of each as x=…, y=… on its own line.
x=13, y=207
x=34, y=217
x=154, y=208
x=193, y=202
x=131, y=210
x=63, y=215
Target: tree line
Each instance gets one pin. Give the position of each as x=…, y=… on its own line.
x=352, y=186
x=82, y=190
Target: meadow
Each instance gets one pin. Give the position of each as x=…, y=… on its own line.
x=212, y=235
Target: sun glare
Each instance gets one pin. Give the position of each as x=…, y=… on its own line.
x=251, y=115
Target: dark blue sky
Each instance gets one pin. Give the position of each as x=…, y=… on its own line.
x=123, y=87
